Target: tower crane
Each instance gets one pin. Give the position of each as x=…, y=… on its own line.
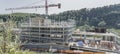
x=46, y=6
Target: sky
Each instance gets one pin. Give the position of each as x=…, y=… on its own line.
x=65, y=5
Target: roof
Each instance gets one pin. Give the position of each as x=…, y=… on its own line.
x=97, y=34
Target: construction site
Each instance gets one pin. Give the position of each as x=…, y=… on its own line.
x=46, y=35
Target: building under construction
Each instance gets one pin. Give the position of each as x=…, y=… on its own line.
x=39, y=30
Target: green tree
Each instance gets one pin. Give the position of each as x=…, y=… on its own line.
x=7, y=46
x=102, y=23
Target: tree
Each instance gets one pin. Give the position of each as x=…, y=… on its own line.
x=8, y=46
x=102, y=23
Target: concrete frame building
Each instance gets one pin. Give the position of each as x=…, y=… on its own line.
x=39, y=30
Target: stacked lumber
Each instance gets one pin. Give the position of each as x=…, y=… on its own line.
x=87, y=53
x=99, y=53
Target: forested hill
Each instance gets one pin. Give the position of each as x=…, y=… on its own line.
x=107, y=16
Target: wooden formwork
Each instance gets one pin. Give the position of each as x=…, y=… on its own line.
x=99, y=52
x=87, y=53
x=93, y=53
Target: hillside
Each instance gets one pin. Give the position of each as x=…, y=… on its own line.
x=107, y=16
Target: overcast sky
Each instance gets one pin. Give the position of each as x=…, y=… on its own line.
x=66, y=5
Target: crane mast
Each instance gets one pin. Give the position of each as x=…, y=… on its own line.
x=46, y=6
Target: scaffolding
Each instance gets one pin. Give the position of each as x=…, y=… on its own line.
x=39, y=30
